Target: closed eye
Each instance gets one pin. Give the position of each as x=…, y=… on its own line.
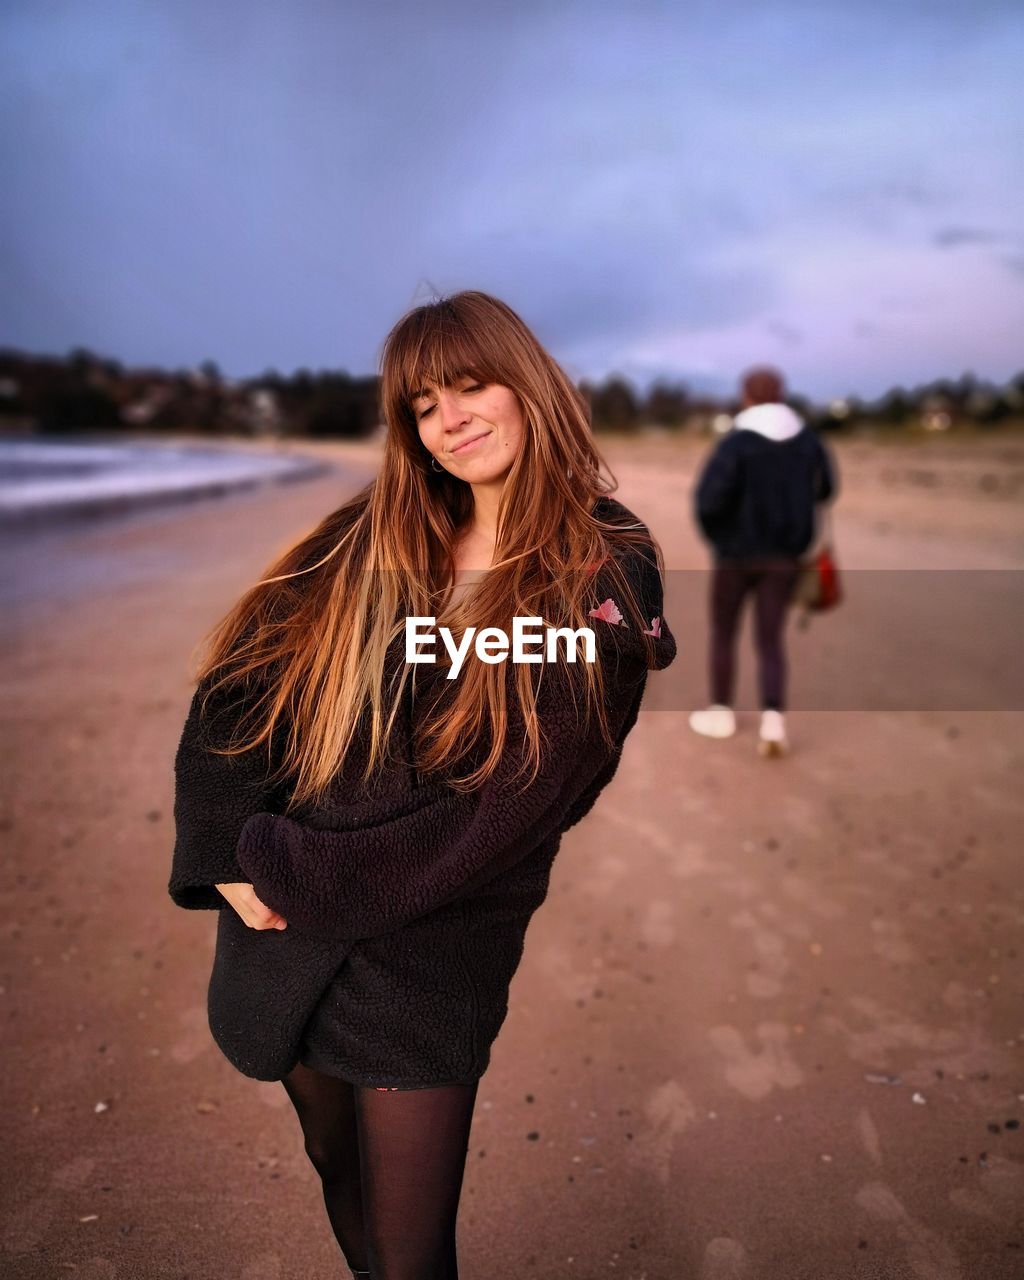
x=476, y=386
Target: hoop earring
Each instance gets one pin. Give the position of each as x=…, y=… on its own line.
x=568, y=473
x=434, y=466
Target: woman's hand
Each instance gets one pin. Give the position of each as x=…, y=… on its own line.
x=256, y=914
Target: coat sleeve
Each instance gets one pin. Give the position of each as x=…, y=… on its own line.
x=588, y=799
x=718, y=487
x=826, y=478
x=369, y=875
x=213, y=797
x=647, y=577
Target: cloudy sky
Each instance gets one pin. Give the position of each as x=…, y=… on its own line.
x=659, y=189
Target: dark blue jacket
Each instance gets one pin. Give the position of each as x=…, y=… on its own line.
x=756, y=494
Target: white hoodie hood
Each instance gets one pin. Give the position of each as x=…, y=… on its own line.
x=774, y=421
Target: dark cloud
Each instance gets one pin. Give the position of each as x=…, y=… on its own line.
x=1012, y=258
x=583, y=286
x=954, y=237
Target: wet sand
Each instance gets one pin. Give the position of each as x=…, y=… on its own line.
x=768, y=1023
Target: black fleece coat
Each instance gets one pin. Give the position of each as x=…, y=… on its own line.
x=407, y=901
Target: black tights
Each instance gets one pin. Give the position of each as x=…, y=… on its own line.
x=391, y=1164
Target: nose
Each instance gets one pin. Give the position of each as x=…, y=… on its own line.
x=454, y=412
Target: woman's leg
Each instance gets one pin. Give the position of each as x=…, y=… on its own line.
x=327, y=1112
x=413, y=1145
x=773, y=593
x=728, y=589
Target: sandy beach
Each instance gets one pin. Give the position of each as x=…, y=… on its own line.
x=768, y=1024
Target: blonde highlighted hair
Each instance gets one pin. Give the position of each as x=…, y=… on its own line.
x=308, y=643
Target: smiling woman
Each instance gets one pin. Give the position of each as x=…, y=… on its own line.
x=380, y=858
x=473, y=429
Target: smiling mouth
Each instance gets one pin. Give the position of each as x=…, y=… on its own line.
x=466, y=443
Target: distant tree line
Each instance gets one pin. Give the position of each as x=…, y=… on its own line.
x=83, y=391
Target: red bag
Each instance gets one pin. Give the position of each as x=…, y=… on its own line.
x=827, y=591
x=819, y=587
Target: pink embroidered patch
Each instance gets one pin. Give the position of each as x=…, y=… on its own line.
x=655, y=628
x=608, y=611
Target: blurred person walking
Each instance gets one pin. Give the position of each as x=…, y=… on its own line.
x=755, y=504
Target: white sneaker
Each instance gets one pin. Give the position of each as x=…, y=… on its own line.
x=772, y=738
x=716, y=721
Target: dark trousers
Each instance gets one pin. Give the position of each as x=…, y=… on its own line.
x=772, y=583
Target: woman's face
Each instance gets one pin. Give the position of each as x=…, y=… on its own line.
x=473, y=429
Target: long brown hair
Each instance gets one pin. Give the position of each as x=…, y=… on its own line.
x=309, y=641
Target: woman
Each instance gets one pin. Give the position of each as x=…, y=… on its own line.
x=383, y=832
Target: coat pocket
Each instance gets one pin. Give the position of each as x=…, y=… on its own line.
x=264, y=985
